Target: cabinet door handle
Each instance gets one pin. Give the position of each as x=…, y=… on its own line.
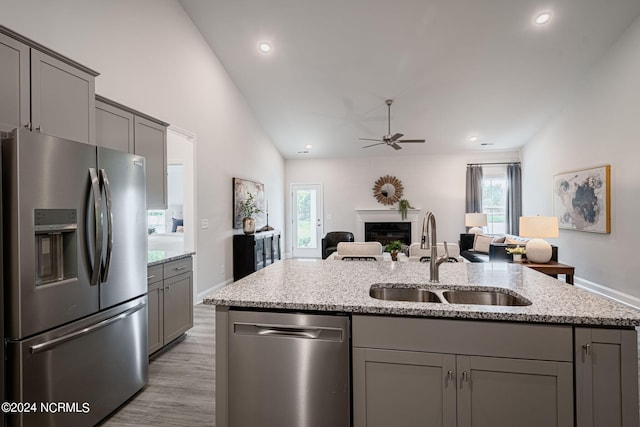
x=465, y=376
x=181, y=267
x=151, y=277
x=587, y=349
x=450, y=375
x=28, y=126
x=39, y=129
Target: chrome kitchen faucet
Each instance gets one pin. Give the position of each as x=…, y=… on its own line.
x=429, y=241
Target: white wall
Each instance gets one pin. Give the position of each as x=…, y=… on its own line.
x=600, y=125
x=431, y=183
x=152, y=58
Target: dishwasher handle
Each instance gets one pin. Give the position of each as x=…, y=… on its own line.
x=289, y=331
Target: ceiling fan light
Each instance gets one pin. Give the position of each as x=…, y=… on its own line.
x=308, y=146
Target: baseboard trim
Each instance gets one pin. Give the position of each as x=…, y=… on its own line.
x=212, y=289
x=604, y=291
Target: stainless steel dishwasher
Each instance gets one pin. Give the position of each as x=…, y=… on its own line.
x=288, y=369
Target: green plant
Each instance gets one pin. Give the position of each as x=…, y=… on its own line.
x=396, y=245
x=518, y=250
x=403, y=206
x=249, y=207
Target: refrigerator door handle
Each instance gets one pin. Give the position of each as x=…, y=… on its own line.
x=107, y=193
x=97, y=206
x=47, y=345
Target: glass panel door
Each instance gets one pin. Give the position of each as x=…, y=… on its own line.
x=307, y=220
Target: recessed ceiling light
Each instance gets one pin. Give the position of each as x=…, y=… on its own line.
x=543, y=18
x=473, y=138
x=308, y=146
x=264, y=47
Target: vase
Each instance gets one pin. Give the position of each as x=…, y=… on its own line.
x=394, y=255
x=517, y=257
x=248, y=225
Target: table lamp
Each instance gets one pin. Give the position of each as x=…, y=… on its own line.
x=538, y=228
x=475, y=220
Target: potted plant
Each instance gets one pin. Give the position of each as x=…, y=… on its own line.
x=403, y=207
x=517, y=252
x=394, y=247
x=249, y=208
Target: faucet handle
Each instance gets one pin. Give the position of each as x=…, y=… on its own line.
x=446, y=250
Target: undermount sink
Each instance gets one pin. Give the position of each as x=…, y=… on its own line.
x=403, y=294
x=446, y=296
x=484, y=298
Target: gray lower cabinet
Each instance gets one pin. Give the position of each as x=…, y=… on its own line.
x=606, y=377
x=170, y=301
x=410, y=372
x=122, y=128
x=44, y=91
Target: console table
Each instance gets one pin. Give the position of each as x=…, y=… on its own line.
x=553, y=268
x=251, y=252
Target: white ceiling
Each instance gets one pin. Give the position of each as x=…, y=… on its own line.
x=454, y=68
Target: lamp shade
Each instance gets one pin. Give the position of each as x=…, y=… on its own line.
x=475, y=219
x=539, y=226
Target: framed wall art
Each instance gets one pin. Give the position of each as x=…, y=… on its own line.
x=241, y=190
x=582, y=199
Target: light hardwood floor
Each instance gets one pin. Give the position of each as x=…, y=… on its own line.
x=180, y=392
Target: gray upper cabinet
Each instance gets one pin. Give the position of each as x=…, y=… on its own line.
x=44, y=91
x=151, y=142
x=114, y=127
x=606, y=370
x=122, y=128
x=14, y=84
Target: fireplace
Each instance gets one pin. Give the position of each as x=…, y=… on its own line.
x=387, y=232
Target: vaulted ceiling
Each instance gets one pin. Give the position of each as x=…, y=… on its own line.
x=454, y=68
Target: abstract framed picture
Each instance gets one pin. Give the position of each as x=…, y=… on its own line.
x=241, y=190
x=582, y=199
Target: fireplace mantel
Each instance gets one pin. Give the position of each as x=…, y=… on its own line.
x=388, y=215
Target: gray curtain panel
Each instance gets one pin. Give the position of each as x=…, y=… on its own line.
x=514, y=198
x=474, y=189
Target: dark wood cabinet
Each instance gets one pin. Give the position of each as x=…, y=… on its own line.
x=251, y=252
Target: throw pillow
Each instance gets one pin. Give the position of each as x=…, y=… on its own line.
x=516, y=241
x=481, y=243
x=499, y=239
x=175, y=223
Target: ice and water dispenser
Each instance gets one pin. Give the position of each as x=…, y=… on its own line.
x=56, y=244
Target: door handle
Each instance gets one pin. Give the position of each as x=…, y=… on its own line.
x=57, y=341
x=97, y=206
x=107, y=194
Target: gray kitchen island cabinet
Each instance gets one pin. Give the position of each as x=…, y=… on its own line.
x=122, y=128
x=606, y=377
x=460, y=373
x=44, y=91
x=170, y=302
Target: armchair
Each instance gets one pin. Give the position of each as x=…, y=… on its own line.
x=331, y=239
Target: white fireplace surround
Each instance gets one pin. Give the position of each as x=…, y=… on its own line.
x=388, y=215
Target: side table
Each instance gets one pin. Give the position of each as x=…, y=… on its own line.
x=553, y=268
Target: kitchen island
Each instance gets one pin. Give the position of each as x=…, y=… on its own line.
x=567, y=358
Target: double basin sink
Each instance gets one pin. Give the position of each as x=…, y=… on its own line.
x=447, y=296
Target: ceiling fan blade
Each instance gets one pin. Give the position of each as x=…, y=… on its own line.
x=373, y=145
x=396, y=146
x=412, y=140
x=368, y=139
x=396, y=137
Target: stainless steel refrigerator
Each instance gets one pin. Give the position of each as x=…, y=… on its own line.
x=75, y=279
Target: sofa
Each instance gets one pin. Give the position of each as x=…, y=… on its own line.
x=483, y=248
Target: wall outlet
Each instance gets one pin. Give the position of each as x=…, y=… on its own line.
x=205, y=223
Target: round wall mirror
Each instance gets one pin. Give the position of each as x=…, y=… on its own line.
x=388, y=190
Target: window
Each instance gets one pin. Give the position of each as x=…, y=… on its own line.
x=494, y=198
x=156, y=221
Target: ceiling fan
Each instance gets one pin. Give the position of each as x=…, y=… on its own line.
x=390, y=140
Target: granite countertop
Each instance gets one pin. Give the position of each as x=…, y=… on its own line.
x=155, y=257
x=343, y=286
